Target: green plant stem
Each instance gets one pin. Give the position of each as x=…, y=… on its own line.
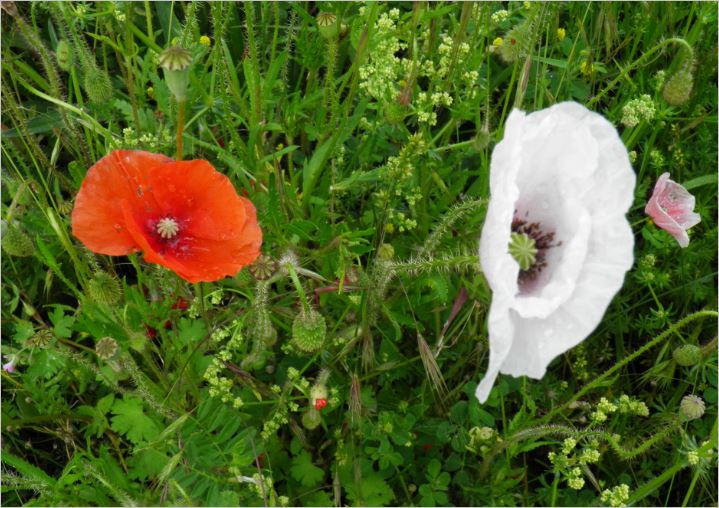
x=637, y=62
x=298, y=287
x=646, y=347
x=180, y=129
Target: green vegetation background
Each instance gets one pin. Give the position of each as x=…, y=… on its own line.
x=365, y=147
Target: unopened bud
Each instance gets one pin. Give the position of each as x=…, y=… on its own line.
x=687, y=355
x=311, y=419
x=679, y=87
x=309, y=331
x=97, y=85
x=104, y=288
x=16, y=242
x=64, y=56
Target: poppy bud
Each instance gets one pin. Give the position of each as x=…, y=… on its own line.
x=385, y=252
x=97, y=85
x=318, y=393
x=175, y=62
x=692, y=407
x=679, y=87
x=106, y=348
x=104, y=288
x=16, y=242
x=64, y=56
x=687, y=355
x=309, y=331
x=327, y=25
x=311, y=419
x=516, y=44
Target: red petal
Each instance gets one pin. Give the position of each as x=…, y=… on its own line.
x=97, y=219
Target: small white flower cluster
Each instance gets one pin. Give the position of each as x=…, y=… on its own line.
x=636, y=110
x=117, y=12
x=630, y=405
x=220, y=385
x=500, y=16
x=146, y=141
x=618, y=496
x=603, y=408
x=569, y=460
x=445, y=51
x=379, y=76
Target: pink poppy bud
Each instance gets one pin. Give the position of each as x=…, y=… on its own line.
x=671, y=207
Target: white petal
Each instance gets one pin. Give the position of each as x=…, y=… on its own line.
x=572, y=174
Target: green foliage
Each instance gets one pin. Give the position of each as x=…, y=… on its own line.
x=363, y=135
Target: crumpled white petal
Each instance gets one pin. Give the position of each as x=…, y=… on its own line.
x=566, y=168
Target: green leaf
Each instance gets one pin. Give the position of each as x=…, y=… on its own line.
x=61, y=322
x=146, y=463
x=372, y=491
x=304, y=471
x=131, y=421
x=27, y=470
x=701, y=180
x=320, y=498
x=191, y=331
x=23, y=331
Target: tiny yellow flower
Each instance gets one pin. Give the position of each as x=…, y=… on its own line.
x=205, y=40
x=150, y=92
x=389, y=228
x=586, y=68
x=526, y=5
x=561, y=33
x=497, y=42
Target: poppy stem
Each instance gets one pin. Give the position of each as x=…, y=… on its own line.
x=203, y=310
x=180, y=129
x=298, y=287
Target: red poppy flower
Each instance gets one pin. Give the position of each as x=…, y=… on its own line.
x=182, y=215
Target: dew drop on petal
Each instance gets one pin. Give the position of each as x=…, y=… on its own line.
x=139, y=190
x=118, y=227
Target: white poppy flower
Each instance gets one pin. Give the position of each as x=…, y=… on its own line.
x=562, y=183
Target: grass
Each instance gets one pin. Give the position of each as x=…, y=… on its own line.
x=363, y=135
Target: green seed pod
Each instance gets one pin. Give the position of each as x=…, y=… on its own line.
x=679, y=87
x=687, y=355
x=327, y=25
x=175, y=62
x=309, y=331
x=104, y=288
x=106, y=348
x=97, y=85
x=64, y=55
x=263, y=268
x=16, y=242
x=311, y=419
x=692, y=407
